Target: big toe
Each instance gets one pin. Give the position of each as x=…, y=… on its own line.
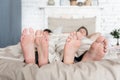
x=31, y=31
x=39, y=33
x=25, y=31
x=79, y=36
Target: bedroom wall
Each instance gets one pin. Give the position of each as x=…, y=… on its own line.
x=109, y=20
x=33, y=16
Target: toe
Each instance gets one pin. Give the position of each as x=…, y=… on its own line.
x=21, y=39
x=25, y=31
x=105, y=43
x=31, y=30
x=79, y=36
x=68, y=39
x=74, y=35
x=71, y=35
x=37, y=32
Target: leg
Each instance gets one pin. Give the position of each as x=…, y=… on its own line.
x=97, y=50
x=71, y=46
x=27, y=44
x=42, y=47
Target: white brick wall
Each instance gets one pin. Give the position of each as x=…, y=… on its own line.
x=32, y=16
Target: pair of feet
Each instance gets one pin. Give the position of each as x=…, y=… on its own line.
x=28, y=41
x=95, y=53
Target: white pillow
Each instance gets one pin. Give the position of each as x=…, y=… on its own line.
x=58, y=30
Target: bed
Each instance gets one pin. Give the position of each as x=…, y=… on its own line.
x=12, y=66
x=103, y=70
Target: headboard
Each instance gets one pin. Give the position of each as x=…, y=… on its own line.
x=69, y=25
x=71, y=18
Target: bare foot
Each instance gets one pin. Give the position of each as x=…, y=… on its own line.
x=97, y=50
x=27, y=44
x=42, y=47
x=71, y=46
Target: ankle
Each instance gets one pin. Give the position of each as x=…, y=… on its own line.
x=43, y=63
x=68, y=60
x=87, y=57
x=28, y=61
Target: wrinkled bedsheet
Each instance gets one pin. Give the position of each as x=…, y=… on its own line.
x=17, y=70
x=98, y=70
x=102, y=70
